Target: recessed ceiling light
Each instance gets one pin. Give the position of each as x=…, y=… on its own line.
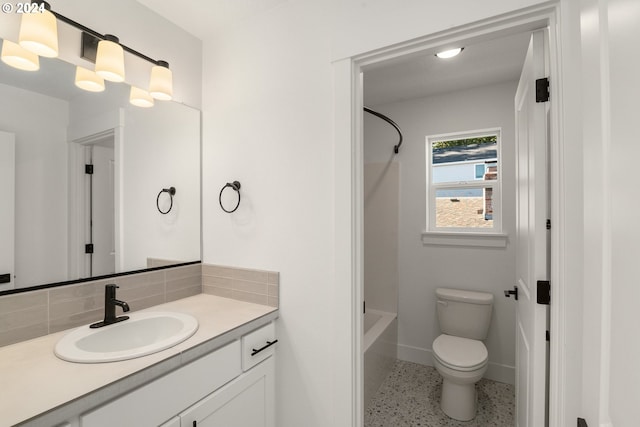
x=449, y=53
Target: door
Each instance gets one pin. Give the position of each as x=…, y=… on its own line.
x=7, y=210
x=102, y=211
x=531, y=238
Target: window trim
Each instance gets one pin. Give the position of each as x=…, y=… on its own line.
x=495, y=184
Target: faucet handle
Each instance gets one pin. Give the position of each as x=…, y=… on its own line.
x=110, y=290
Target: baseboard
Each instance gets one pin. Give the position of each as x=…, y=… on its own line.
x=496, y=371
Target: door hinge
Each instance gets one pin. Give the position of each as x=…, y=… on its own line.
x=548, y=224
x=582, y=422
x=547, y=336
x=88, y=248
x=542, y=90
x=543, y=294
x=364, y=307
x=88, y=169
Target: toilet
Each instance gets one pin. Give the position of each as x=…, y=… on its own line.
x=459, y=355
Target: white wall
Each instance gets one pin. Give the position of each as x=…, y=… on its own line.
x=268, y=111
x=381, y=224
x=160, y=149
x=7, y=209
x=40, y=126
x=611, y=347
x=424, y=268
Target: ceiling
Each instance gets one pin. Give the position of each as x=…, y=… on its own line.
x=202, y=17
x=483, y=63
x=480, y=64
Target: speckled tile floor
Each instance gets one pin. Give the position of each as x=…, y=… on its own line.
x=410, y=397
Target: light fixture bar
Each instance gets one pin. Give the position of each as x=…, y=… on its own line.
x=96, y=34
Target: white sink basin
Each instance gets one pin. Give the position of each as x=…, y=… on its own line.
x=144, y=333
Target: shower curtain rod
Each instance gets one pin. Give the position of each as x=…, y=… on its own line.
x=391, y=122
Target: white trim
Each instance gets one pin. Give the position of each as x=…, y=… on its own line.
x=607, y=227
x=347, y=353
x=461, y=238
x=348, y=214
x=465, y=134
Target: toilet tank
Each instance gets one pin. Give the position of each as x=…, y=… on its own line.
x=465, y=314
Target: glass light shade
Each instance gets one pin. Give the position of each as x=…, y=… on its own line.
x=110, y=61
x=89, y=80
x=161, y=83
x=446, y=54
x=39, y=33
x=140, y=98
x=18, y=57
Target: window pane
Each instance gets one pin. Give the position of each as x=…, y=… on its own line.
x=464, y=208
x=463, y=160
x=479, y=171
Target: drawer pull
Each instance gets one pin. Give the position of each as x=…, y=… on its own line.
x=269, y=344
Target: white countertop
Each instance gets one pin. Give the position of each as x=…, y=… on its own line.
x=33, y=381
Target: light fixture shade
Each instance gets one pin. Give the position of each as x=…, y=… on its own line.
x=18, y=57
x=140, y=98
x=39, y=33
x=110, y=59
x=161, y=82
x=89, y=80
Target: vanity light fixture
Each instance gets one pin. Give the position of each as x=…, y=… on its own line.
x=110, y=59
x=18, y=57
x=161, y=82
x=89, y=80
x=39, y=30
x=446, y=54
x=39, y=36
x=140, y=97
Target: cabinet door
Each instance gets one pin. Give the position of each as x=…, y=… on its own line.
x=247, y=401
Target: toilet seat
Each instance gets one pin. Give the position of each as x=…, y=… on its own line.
x=460, y=354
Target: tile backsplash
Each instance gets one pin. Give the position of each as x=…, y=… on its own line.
x=33, y=314
x=257, y=286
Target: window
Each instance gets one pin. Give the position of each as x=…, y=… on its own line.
x=463, y=182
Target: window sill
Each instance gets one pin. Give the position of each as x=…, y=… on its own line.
x=457, y=238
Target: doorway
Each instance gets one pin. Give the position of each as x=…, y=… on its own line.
x=349, y=103
x=92, y=250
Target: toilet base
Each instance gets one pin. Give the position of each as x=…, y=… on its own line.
x=458, y=401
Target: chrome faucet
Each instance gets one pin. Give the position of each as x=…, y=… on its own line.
x=110, y=303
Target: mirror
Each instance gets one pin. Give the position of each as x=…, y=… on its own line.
x=58, y=221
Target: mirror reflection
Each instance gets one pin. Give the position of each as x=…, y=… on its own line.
x=83, y=177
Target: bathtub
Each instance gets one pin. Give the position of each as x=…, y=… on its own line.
x=380, y=347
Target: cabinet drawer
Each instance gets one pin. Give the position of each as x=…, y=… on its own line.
x=258, y=345
x=159, y=400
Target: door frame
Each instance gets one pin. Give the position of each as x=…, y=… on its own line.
x=349, y=166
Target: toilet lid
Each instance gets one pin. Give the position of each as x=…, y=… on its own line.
x=460, y=353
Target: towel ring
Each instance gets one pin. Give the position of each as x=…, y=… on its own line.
x=172, y=192
x=235, y=185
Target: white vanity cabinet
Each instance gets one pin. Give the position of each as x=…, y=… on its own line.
x=223, y=388
x=248, y=401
